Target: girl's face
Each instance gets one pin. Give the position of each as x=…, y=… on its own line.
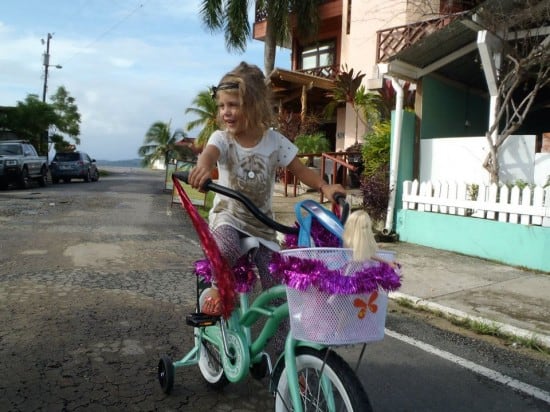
x=229, y=109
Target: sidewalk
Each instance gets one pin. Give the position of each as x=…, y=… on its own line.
x=516, y=301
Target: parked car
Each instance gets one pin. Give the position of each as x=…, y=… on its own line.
x=19, y=164
x=73, y=165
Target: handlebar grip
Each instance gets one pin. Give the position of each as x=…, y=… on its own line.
x=182, y=175
x=340, y=199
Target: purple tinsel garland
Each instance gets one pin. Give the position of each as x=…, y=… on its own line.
x=243, y=271
x=321, y=237
x=300, y=273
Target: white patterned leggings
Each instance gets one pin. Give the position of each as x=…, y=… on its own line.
x=228, y=241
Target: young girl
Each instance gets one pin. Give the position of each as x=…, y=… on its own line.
x=247, y=153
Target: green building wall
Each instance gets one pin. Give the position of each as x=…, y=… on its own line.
x=451, y=111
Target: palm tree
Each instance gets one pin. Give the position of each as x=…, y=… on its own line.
x=159, y=143
x=231, y=17
x=206, y=110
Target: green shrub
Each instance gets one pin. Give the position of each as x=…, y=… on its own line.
x=312, y=143
x=376, y=148
x=376, y=176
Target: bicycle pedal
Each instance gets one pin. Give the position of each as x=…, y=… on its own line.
x=200, y=319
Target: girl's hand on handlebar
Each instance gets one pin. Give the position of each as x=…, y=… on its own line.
x=198, y=176
x=331, y=190
x=205, y=164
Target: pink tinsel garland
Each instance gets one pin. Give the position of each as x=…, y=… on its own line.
x=243, y=272
x=299, y=273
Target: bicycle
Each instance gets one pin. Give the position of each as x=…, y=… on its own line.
x=306, y=376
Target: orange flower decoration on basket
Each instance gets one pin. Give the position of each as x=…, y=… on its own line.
x=366, y=306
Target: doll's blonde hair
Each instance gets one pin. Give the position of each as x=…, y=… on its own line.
x=359, y=236
x=254, y=95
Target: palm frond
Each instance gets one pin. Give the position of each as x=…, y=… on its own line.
x=237, y=27
x=211, y=13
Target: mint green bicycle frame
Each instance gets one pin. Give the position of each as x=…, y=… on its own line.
x=240, y=322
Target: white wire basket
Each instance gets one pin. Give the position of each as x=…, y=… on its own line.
x=336, y=319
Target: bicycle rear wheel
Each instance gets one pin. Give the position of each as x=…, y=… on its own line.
x=327, y=383
x=210, y=365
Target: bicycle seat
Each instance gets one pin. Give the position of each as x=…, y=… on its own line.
x=249, y=245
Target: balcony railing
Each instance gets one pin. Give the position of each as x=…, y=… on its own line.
x=393, y=40
x=261, y=13
x=327, y=72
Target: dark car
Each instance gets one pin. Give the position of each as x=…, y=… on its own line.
x=19, y=163
x=73, y=165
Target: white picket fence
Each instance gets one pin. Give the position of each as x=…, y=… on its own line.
x=527, y=206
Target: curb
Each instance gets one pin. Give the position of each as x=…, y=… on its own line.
x=506, y=329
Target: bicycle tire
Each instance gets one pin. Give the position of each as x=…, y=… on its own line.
x=210, y=365
x=346, y=394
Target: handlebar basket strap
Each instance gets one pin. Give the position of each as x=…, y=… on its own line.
x=332, y=299
x=327, y=219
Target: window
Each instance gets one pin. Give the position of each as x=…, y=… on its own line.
x=318, y=55
x=67, y=157
x=10, y=149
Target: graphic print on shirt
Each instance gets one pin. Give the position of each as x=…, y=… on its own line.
x=251, y=175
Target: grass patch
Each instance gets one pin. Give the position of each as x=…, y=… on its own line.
x=203, y=210
x=480, y=328
x=204, y=200
x=531, y=343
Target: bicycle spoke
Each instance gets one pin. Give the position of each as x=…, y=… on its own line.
x=213, y=356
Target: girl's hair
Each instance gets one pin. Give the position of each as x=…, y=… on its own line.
x=358, y=235
x=248, y=82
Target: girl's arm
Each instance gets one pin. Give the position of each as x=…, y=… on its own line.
x=205, y=164
x=312, y=179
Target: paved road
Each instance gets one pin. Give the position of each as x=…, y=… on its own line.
x=92, y=294
x=94, y=288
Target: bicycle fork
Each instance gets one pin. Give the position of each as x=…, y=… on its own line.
x=294, y=387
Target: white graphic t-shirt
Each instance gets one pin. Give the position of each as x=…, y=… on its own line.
x=250, y=171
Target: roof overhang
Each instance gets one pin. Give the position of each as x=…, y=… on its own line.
x=456, y=43
x=287, y=86
x=458, y=52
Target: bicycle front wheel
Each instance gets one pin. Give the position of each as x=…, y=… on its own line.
x=327, y=383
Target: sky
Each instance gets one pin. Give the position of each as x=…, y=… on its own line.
x=127, y=63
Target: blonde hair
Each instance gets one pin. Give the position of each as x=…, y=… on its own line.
x=358, y=235
x=254, y=95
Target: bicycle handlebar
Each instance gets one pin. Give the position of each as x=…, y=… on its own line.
x=340, y=199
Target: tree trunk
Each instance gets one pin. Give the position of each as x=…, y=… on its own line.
x=270, y=47
x=491, y=161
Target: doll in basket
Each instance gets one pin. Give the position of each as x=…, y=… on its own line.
x=359, y=237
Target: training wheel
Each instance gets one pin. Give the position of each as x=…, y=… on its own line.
x=166, y=374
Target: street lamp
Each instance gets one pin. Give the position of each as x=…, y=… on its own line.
x=46, y=63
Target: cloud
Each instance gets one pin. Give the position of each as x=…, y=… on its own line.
x=127, y=64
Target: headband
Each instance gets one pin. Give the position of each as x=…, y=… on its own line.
x=223, y=86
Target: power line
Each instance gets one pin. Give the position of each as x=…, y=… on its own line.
x=109, y=30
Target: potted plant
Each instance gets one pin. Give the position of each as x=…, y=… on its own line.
x=312, y=144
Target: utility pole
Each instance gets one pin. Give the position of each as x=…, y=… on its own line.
x=46, y=63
